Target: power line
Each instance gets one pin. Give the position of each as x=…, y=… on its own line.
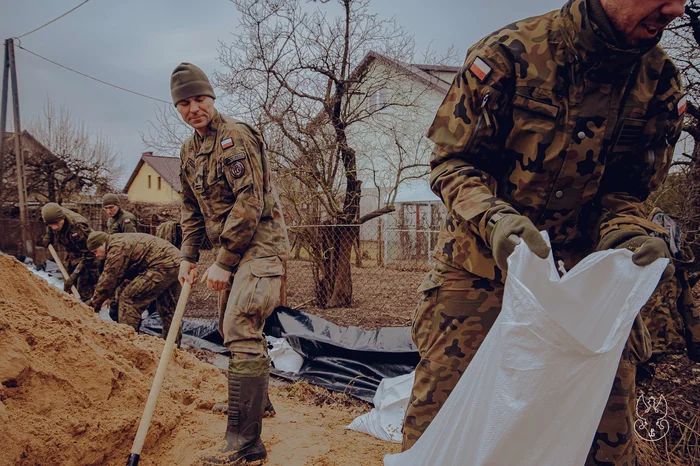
x=54, y=20
x=93, y=77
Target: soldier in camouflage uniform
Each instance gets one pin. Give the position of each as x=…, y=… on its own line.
x=170, y=230
x=70, y=230
x=563, y=122
x=120, y=220
x=150, y=264
x=227, y=194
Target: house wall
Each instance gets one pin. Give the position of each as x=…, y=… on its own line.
x=377, y=139
x=139, y=190
x=446, y=76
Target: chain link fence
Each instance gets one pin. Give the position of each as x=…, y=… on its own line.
x=365, y=275
x=372, y=270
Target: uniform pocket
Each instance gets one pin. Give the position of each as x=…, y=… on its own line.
x=639, y=342
x=428, y=290
x=534, y=124
x=535, y=106
x=267, y=267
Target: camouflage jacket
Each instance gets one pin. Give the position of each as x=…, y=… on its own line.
x=123, y=222
x=227, y=194
x=548, y=119
x=128, y=255
x=72, y=237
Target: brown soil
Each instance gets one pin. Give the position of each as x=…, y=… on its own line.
x=677, y=379
x=72, y=389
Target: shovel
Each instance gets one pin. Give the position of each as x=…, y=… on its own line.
x=63, y=270
x=158, y=378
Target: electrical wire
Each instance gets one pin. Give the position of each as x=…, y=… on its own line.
x=101, y=81
x=54, y=20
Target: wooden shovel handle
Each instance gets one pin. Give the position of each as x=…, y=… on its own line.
x=63, y=270
x=160, y=375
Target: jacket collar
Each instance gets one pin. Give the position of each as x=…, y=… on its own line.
x=205, y=144
x=592, y=45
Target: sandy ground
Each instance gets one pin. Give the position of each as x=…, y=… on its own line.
x=72, y=389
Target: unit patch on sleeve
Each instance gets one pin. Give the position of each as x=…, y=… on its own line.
x=480, y=69
x=226, y=143
x=237, y=169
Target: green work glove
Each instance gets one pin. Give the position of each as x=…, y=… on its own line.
x=646, y=250
x=507, y=231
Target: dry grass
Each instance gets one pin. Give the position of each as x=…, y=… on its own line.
x=678, y=380
x=383, y=297
x=319, y=396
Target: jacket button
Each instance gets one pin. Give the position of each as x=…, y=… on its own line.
x=581, y=135
x=559, y=194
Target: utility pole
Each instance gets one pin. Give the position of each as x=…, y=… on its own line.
x=19, y=156
x=3, y=116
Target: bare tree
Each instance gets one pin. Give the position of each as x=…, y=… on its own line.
x=86, y=163
x=167, y=133
x=313, y=78
x=683, y=44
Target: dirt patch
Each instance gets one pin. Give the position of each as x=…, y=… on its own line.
x=677, y=380
x=72, y=389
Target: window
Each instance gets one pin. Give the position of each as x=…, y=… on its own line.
x=149, y=181
x=159, y=183
x=376, y=101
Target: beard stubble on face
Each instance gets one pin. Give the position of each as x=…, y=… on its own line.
x=636, y=32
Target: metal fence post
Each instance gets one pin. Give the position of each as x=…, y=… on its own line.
x=385, y=259
x=430, y=245
x=380, y=242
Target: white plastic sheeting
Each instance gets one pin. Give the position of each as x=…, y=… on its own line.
x=390, y=401
x=52, y=279
x=283, y=356
x=535, y=391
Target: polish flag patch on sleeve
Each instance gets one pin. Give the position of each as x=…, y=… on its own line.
x=226, y=143
x=480, y=69
x=682, y=106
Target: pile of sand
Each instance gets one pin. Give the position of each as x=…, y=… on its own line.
x=72, y=389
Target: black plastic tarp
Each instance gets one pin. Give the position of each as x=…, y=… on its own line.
x=344, y=359
x=197, y=333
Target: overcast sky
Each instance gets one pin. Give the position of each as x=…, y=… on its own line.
x=137, y=43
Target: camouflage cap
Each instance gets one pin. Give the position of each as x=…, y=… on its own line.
x=96, y=239
x=52, y=213
x=110, y=199
x=187, y=81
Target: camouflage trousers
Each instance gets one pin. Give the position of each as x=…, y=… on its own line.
x=87, y=278
x=159, y=286
x=673, y=318
x=451, y=321
x=243, y=308
x=662, y=318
